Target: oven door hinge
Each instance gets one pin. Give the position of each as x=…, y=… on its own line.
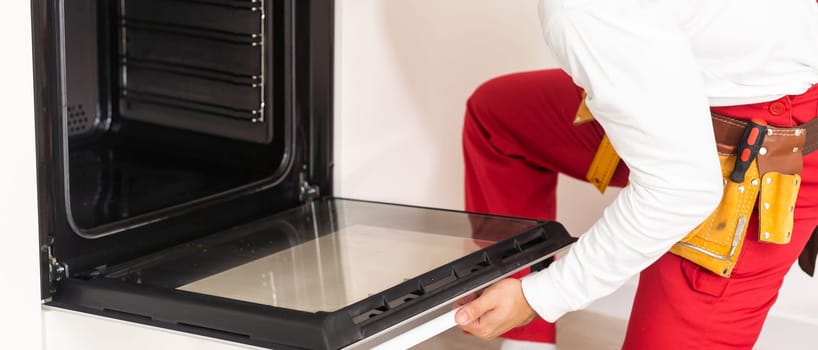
x=57, y=271
x=308, y=192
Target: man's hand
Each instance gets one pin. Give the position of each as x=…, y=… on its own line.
x=496, y=310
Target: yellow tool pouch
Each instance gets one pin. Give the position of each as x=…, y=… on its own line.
x=606, y=160
x=715, y=244
x=770, y=186
x=776, y=207
x=584, y=114
x=604, y=165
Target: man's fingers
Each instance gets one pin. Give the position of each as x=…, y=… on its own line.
x=465, y=300
x=500, y=308
x=487, y=326
x=472, y=311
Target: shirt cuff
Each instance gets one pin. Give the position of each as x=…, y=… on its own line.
x=546, y=300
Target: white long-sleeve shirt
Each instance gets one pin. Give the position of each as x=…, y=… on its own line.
x=651, y=69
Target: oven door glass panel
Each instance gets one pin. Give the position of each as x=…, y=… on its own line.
x=336, y=270
x=322, y=256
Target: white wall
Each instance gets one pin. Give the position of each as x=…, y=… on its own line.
x=405, y=69
x=19, y=275
x=404, y=72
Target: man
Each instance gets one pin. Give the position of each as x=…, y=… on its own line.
x=653, y=72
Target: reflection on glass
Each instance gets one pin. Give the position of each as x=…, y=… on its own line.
x=116, y=183
x=322, y=256
x=337, y=269
x=143, y=168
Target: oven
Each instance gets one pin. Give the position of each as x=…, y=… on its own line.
x=185, y=182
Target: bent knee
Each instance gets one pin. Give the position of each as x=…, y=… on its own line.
x=492, y=90
x=518, y=89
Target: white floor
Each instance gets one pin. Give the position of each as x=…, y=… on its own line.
x=582, y=330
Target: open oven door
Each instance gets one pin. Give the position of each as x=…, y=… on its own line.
x=330, y=274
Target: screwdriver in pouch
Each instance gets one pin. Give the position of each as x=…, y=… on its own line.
x=748, y=148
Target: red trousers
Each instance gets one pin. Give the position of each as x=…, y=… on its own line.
x=518, y=135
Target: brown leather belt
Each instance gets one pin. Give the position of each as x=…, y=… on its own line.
x=782, y=150
x=729, y=131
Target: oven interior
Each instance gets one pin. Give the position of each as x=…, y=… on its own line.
x=164, y=121
x=169, y=102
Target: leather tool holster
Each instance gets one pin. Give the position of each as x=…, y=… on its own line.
x=771, y=185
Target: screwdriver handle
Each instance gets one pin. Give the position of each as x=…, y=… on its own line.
x=748, y=148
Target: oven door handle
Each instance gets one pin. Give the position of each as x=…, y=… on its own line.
x=431, y=322
x=421, y=333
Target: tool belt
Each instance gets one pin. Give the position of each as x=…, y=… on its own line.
x=770, y=184
x=766, y=175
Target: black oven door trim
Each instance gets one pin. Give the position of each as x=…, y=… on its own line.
x=280, y=328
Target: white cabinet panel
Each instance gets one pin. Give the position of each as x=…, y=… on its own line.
x=69, y=330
